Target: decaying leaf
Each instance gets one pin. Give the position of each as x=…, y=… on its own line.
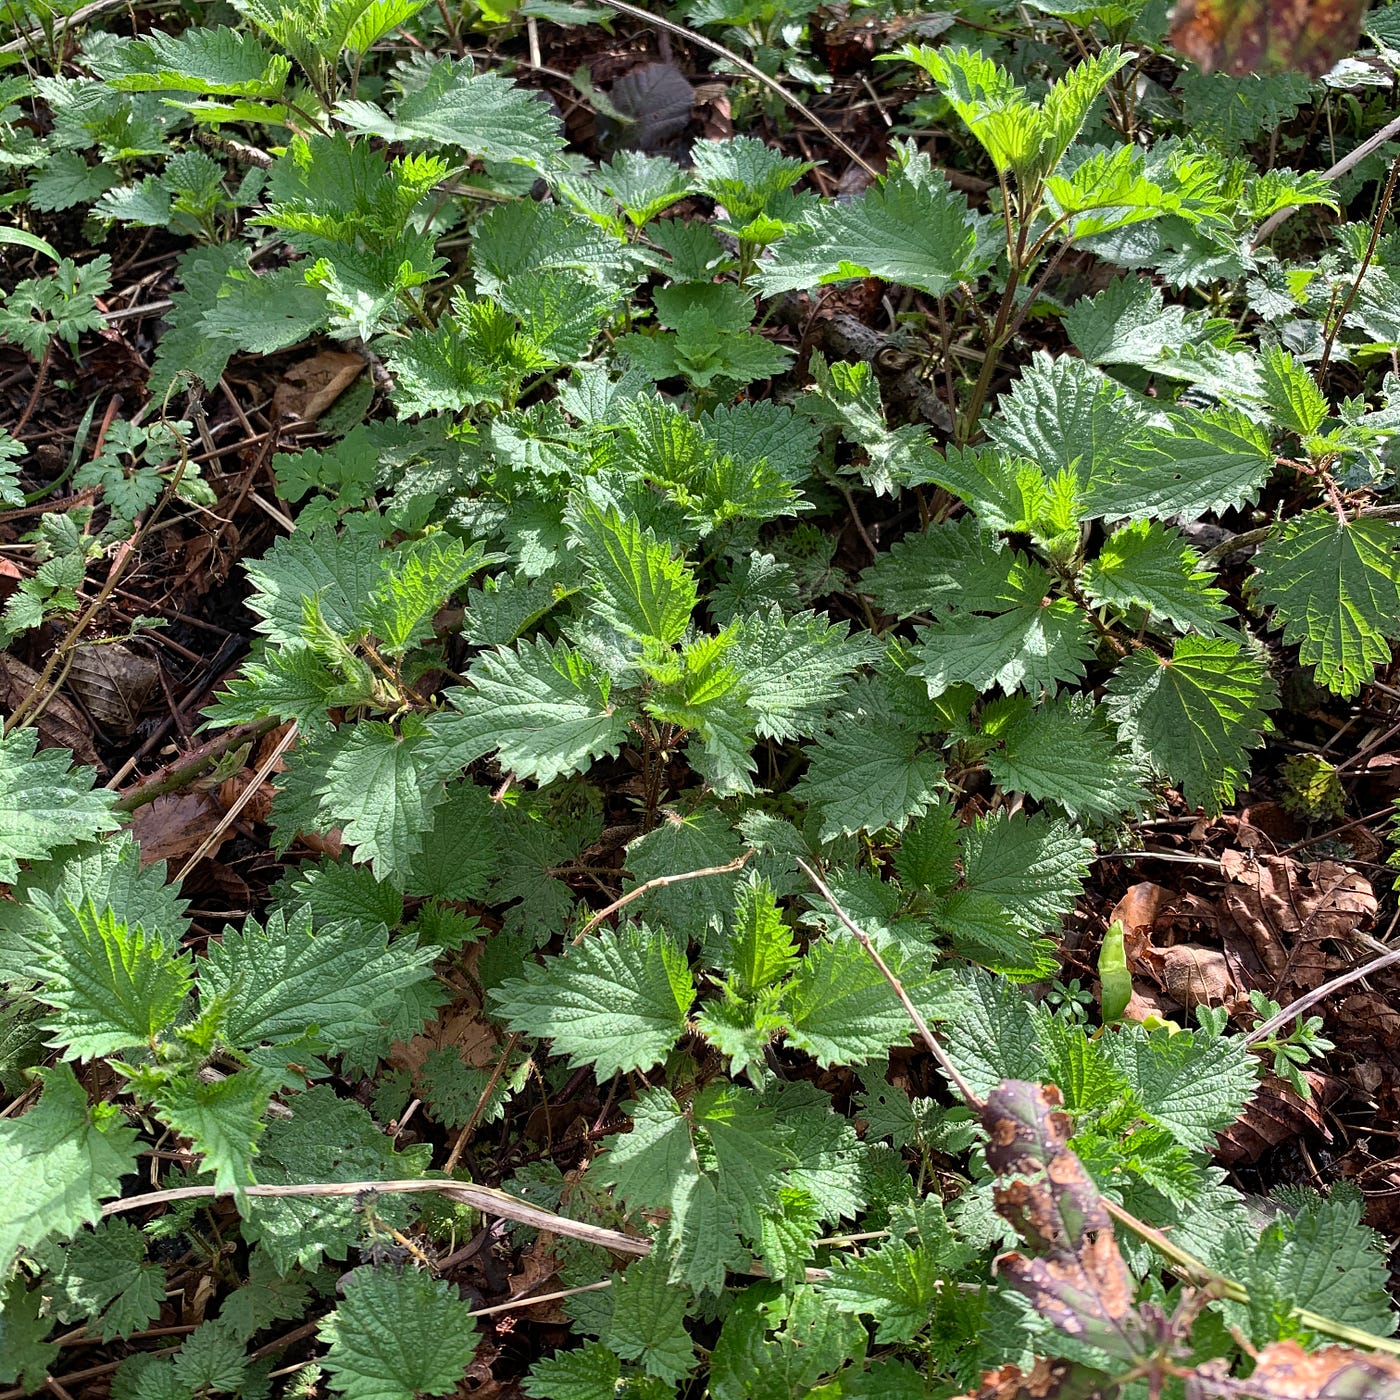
x=1195, y=976
x=1287, y=909
x=1046, y=1380
x=1079, y=1281
x=175, y=824
x=1277, y=1114
x=1267, y=36
x=60, y=725
x=310, y=387
x=1286, y=1372
x=114, y=680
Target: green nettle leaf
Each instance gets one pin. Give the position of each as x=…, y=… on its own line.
x=1150, y=566
x=418, y=580
x=327, y=1138
x=760, y=949
x=104, y=1270
x=222, y=1119
x=1036, y=646
x=714, y=1166
x=1335, y=587
x=897, y=1283
x=58, y=1162
x=44, y=805
x=1192, y=1082
x=648, y=1321
x=840, y=1009
x=205, y=61
x=338, y=985
x=396, y=1336
x=24, y=1323
x=911, y=229
x=1200, y=462
x=590, y=1372
x=379, y=788
x=1291, y=392
x=482, y=113
x=340, y=570
x=461, y=853
x=112, y=986
x=546, y=709
x=869, y=773
x=618, y=1002
x=1194, y=716
x=1066, y=416
x=638, y=582
x=1059, y=751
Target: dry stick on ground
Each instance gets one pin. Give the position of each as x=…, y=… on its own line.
x=772, y=84
x=513, y=1040
x=483, y=1198
x=1197, y=1270
x=1309, y=999
x=184, y=770
x=244, y=798
x=1371, y=143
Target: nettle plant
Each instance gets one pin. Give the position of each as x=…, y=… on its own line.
x=559, y=599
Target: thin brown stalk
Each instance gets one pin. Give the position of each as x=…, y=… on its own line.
x=930, y=1040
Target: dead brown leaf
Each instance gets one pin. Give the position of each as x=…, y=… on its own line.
x=114, y=680
x=1139, y=908
x=60, y=723
x=311, y=386
x=1195, y=976
x=1277, y=1114
x=175, y=824
x=1046, y=1380
x=1287, y=910
x=1285, y=1371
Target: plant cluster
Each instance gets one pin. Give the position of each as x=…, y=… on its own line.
x=571, y=584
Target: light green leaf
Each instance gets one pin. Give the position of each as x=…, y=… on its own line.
x=59, y=1162
x=44, y=805
x=335, y=985
x=1066, y=416
x=112, y=986
x=1335, y=587
x=1193, y=1082
x=378, y=788
x=1200, y=462
x=897, y=1284
x=638, y=582
x=1151, y=566
x=840, y=1008
x=545, y=708
x=648, y=1321
x=1194, y=716
x=619, y=1001
x=589, y=1372
x=222, y=1120
x=1035, y=647
x=760, y=949
x=1061, y=752
x=482, y=113
x=397, y=1335
x=206, y=61
x=868, y=772
x=912, y=229
x=340, y=570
